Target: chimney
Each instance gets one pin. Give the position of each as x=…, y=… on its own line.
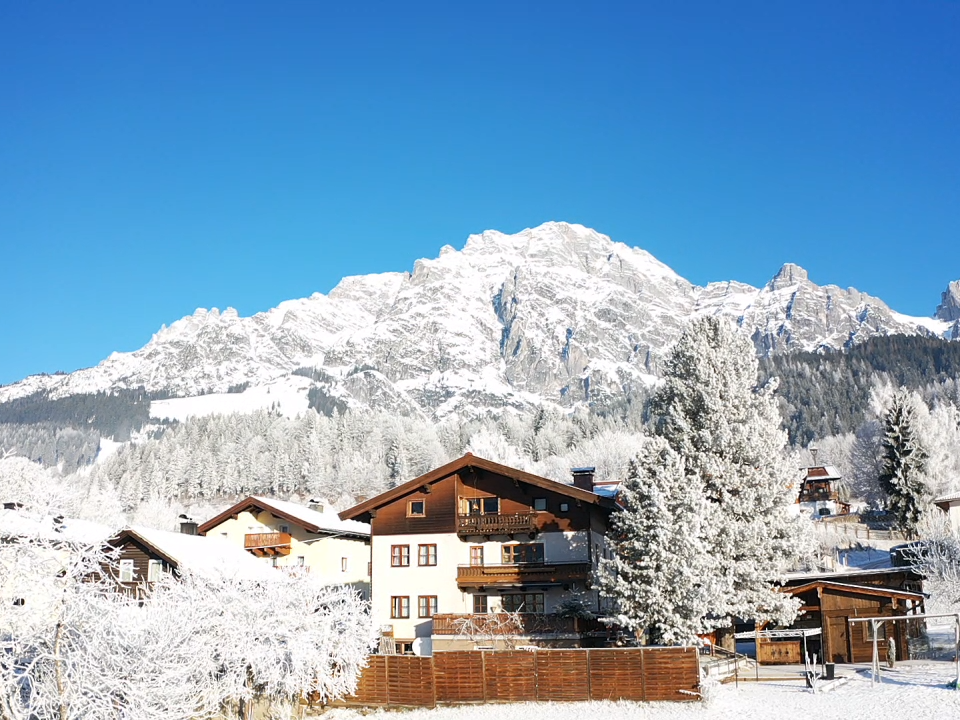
x=583, y=478
x=316, y=505
x=187, y=525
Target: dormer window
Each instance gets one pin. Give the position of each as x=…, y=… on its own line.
x=417, y=508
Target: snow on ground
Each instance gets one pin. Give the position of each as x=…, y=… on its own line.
x=916, y=690
x=288, y=393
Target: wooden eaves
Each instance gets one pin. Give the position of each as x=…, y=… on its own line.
x=472, y=461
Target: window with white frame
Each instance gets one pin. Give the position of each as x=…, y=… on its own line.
x=154, y=568
x=126, y=571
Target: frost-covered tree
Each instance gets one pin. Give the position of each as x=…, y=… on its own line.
x=72, y=646
x=727, y=431
x=904, y=459
x=660, y=573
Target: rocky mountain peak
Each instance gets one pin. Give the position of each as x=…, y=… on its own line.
x=949, y=307
x=788, y=275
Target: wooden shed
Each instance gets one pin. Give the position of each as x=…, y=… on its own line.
x=830, y=604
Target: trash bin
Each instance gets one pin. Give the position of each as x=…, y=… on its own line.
x=828, y=671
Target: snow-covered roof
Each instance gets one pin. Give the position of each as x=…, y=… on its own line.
x=822, y=472
x=21, y=523
x=315, y=521
x=325, y=520
x=207, y=556
x=845, y=572
x=949, y=499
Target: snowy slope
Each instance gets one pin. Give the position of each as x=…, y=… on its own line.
x=557, y=313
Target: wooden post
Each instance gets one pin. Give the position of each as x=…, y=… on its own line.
x=876, y=653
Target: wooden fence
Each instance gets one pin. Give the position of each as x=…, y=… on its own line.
x=642, y=674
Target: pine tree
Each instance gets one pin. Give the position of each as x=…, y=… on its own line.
x=727, y=431
x=903, y=461
x=660, y=568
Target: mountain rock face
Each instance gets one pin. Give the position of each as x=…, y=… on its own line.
x=949, y=309
x=557, y=313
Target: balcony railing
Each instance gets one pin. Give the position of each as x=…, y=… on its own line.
x=522, y=574
x=267, y=544
x=512, y=624
x=496, y=524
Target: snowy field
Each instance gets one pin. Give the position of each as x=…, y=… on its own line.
x=912, y=691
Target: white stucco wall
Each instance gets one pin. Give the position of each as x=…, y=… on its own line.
x=441, y=579
x=322, y=554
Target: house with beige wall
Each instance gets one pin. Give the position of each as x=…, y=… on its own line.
x=457, y=549
x=296, y=538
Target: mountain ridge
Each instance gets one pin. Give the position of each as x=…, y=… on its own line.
x=558, y=313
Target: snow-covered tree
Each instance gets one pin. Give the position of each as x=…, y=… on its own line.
x=727, y=431
x=660, y=572
x=904, y=459
x=72, y=646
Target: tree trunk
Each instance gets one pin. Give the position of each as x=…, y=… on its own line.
x=725, y=638
x=58, y=664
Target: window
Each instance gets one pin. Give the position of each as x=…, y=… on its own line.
x=126, y=571
x=522, y=602
x=416, y=508
x=476, y=555
x=564, y=507
x=539, y=503
x=480, y=604
x=284, y=529
x=275, y=561
x=301, y=561
x=404, y=647
x=427, y=555
x=343, y=564
x=154, y=568
x=400, y=606
x=483, y=506
x=427, y=606
x=523, y=553
x=399, y=556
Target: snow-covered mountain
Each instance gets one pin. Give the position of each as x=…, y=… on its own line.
x=558, y=313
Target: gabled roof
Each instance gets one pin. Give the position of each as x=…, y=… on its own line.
x=879, y=590
x=472, y=461
x=207, y=556
x=945, y=501
x=822, y=472
x=314, y=521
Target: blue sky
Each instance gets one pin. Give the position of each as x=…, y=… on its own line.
x=156, y=158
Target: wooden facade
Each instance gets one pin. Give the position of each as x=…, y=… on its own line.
x=637, y=674
x=128, y=547
x=830, y=604
x=445, y=491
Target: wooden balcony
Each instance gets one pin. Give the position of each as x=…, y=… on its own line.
x=522, y=574
x=522, y=523
x=267, y=544
x=501, y=623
